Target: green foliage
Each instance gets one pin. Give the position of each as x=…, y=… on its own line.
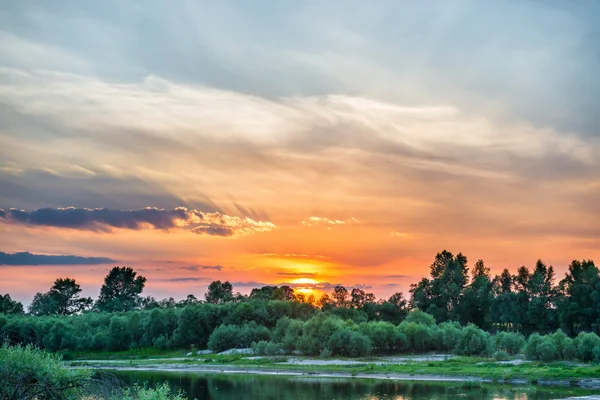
x=501, y=355
x=586, y=344
x=121, y=290
x=219, y=292
x=473, y=341
x=420, y=317
x=227, y=337
x=62, y=299
x=509, y=342
x=359, y=345
x=418, y=336
x=30, y=373
x=446, y=336
x=10, y=306
x=160, y=392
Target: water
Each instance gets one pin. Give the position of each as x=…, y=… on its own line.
x=215, y=386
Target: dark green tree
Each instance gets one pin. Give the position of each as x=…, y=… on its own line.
x=477, y=298
x=10, y=306
x=340, y=295
x=63, y=298
x=219, y=292
x=121, y=290
x=579, y=301
x=441, y=295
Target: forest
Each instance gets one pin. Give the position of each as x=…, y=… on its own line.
x=456, y=309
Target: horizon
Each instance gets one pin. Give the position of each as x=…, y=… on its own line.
x=307, y=143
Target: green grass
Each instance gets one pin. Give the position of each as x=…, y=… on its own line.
x=457, y=367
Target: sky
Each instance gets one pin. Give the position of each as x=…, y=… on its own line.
x=311, y=143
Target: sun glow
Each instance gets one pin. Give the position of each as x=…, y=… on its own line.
x=304, y=281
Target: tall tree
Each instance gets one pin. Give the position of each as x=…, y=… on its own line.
x=579, y=301
x=219, y=292
x=340, y=295
x=477, y=298
x=121, y=290
x=10, y=306
x=63, y=298
x=441, y=295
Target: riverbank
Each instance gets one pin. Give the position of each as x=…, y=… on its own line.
x=399, y=368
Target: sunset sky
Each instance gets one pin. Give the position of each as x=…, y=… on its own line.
x=311, y=142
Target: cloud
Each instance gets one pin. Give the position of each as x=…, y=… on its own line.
x=398, y=276
x=312, y=221
x=185, y=279
x=103, y=219
x=294, y=255
x=26, y=258
x=299, y=274
x=203, y=267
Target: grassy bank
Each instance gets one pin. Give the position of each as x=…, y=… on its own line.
x=457, y=367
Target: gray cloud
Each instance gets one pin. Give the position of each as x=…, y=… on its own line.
x=98, y=219
x=195, y=268
x=26, y=258
x=102, y=219
x=185, y=279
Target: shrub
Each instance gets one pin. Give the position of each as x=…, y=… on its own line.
x=420, y=317
x=418, y=337
x=530, y=350
x=28, y=373
x=325, y=353
x=227, y=337
x=546, y=350
x=359, y=345
x=585, y=344
x=273, y=349
x=446, y=336
x=473, y=341
x=501, y=355
x=509, y=342
x=564, y=345
x=260, y=348
x=161, y=392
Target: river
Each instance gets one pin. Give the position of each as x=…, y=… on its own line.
x=219, y=386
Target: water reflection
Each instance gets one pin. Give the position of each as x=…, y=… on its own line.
x=252, y=387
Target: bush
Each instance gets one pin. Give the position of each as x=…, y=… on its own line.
x=325, y=353
x=546, y=350
x=420, y=317
x=28, y=373
x=360, y=345
x=501, y=355
x=227, y=337
x=531, y=348
x=418, y=337
x=509, y=342
x=161, y=392
x=260, y=348
x=273, y=349
x=585, y=344
x=446, y=336
x=564, y=345
x=473, y=341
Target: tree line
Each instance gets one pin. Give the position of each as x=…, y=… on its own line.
x=453, y=301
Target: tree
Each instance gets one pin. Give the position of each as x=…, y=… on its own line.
x=477, y=298
x=121, y=290
x=10, y=306
x=340, y=295
x=62, y=299
x=267, y=293
x=219, y=292
x=441, y=295
x=579, y=304
x=394, y=309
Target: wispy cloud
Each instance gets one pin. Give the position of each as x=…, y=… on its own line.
x=26, y=258
x=312, y=221
x=299, y=274
x=203, y=267
x=185, y=279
